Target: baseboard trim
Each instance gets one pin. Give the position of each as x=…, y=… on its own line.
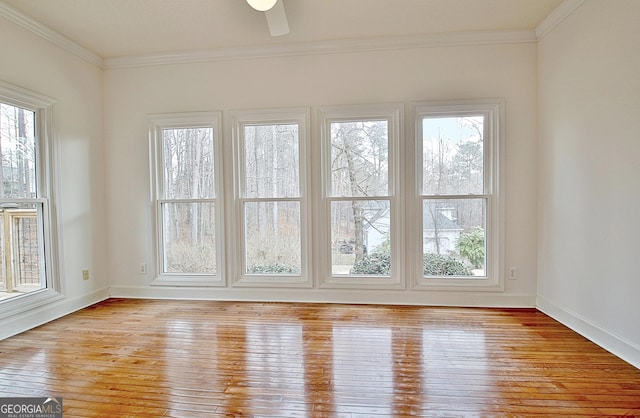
x=618, y=346
x=27, y=320
x=357, y=296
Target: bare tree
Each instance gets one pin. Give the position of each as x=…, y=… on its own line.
x=360, y=169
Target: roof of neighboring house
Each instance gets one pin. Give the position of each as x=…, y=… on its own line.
x=442, y=222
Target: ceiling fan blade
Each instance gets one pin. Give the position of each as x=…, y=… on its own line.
x=277, y=19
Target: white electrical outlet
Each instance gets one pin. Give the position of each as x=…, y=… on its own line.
x=143, y=268
x=513, y=273
x=85, y=274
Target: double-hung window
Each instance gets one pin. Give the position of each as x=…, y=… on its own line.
x=360, y=186
x=188, y=203
x=427, y=206
x=272, y=204
x=457, y=160
x=28, y=260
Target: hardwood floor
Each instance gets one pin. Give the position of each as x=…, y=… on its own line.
x=152, y=358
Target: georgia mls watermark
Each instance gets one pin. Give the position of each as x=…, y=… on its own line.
x=30, y=407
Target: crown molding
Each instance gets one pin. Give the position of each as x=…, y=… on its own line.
x=435, y=40
x=48, y=34
x=556, y=17
x=325, y=47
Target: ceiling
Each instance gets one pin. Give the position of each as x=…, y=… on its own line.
x=120, y=28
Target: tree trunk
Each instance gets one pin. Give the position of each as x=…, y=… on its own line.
x=356, y=205
x=23, y=182
x=274, y=187
x=196, y=156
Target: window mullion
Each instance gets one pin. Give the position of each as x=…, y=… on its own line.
x=270, y=199
x=210, y=200
x=454, y=196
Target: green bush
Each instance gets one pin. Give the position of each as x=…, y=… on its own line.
x=274, y=268
x=443, y=265
x=379, y=263
x=471, y=246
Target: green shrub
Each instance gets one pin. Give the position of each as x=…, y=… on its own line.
x=471, y=246
x=274, y=268
x=443, y=265
x=379, y=263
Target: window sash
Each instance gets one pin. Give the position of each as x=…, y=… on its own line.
x=487, y=146
x=442, y=231
x=204, y=193
x=356, y=158
x=295, y=144
x=374, y=224
x=273, y=265
x=197, y=252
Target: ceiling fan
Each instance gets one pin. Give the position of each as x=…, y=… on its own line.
x=275, y=14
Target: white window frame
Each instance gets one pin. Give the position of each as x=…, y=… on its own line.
x=47, y=186
x=239, y=119
x=393, y=113
x=158, y=123
x=493, y=141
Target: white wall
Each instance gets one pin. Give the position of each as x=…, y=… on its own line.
x=489, y=71
x=33, y=63
x=586, y=164
x=589, y=105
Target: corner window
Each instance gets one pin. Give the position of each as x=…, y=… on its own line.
x=457, y=181
x=187, y=203
x=28, y=267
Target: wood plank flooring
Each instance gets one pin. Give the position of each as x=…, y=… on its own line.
x=154, y=358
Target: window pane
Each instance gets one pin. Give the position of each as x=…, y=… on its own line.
x=453, y=155
x=20, y=249
x=187, y=155
x=360, y=158
x=454, y=237
x=272, y=237
x=189, y=241
x=272, y=165
x=360, y=237
x=17, y=152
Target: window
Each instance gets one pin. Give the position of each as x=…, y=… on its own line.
x=360, y=185
x=370, y=231
x=188, y=208
x=28, y=267
x=273, y=205
x=457, y=180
